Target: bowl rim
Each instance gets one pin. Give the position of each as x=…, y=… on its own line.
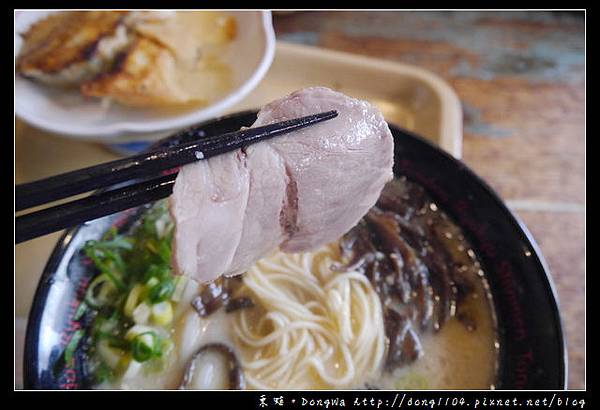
x=30, y=371
x=112, y=131
x=521, y=230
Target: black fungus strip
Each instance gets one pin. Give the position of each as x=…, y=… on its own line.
x=236, y=378
x=215, y=295
x=239, y=303
x=416, y=260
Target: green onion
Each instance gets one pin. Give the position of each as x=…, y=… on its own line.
x=145, y=346
x=153, y=281
x=161, y=291
x=103, y=373
x=162, y=313
x=117, y=342
x=107, y=257
x=135, y=287
x=159, y=272
x=180, y=285
x=100, y=292
x=72, y=346
x=137, y=330
x=108, y=266
x=151, y=245
x=111, y=271
x=164, y=251
x=113, y=240
x=81, y=309
x=141, y=314
x=106, y=326
x=132, y=299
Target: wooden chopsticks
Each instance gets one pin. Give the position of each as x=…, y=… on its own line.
x=145, y=165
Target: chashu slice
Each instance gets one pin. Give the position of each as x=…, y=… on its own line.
x=143, y=75
x=338, y=167
x=267, y=217
x=67, y=48
x=209, y=214
x=302, y=190
x=227, y=210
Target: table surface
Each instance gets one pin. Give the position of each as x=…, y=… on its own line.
x=521, y=79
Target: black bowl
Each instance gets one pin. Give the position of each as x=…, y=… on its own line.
x=532, y=347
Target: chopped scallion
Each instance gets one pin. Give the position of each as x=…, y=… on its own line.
x=161, y=291
x=162, y=313
x=145, y=346
x=72, y=346
x=132, y=300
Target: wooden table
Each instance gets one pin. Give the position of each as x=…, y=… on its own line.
x=520, y=77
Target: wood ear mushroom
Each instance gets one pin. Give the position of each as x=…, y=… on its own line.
x=214, y=366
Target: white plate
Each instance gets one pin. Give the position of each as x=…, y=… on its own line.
x=408, y=96
x=69, y=114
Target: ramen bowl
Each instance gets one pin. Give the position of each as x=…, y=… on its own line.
x=530, y=342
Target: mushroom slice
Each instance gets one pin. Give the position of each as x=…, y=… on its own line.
x=214, y=367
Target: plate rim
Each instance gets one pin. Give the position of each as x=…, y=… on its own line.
x=110, y=132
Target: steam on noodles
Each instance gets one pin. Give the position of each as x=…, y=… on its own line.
x=316, y=327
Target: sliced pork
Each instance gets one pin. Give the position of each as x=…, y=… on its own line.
x=295, y=192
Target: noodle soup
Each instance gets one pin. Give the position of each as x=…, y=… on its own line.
x=400, y=302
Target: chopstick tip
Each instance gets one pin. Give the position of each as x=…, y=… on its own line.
x=330, y=114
